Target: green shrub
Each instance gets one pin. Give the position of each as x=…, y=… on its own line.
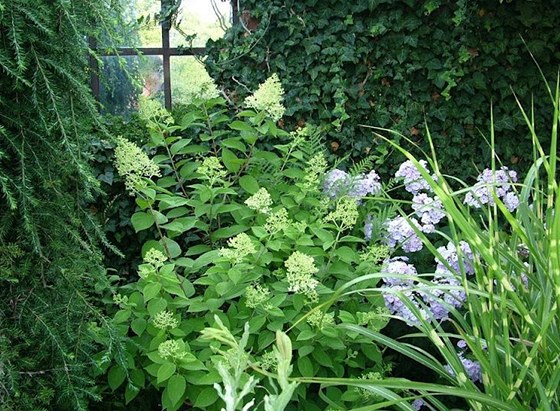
x=248, y=235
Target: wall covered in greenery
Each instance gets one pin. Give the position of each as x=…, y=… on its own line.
x=395, y=64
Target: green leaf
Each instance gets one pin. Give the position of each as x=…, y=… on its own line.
x=166, y=370
x=231, y=161
x=142, y=220
x=305, y=367
x=205, y=259
x=241, y=126
x=306, y=335
x=151, y=290
x=176, y=388
x=156, y=305
x=346, y=254
x=305, y=350
x=116, y=377
x=207, y=397
x=228, y=232
x=172, y=247
x=235, y=143
x=249, y=184
x=121, y=316
x=130, y=393
x=172, y=202
x=138, y=325
x=177, y=148
x=324, y=235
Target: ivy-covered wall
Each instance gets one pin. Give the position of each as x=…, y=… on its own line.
x=396, y=63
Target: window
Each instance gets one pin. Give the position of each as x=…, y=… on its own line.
x=155, y=52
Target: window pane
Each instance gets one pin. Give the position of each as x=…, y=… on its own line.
x=205, y=19
x=143, y=29
x=123, y=80
x=189, y=80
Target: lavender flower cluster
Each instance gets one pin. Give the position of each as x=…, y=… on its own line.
x=427, y=209
x=447, y=292
x=472, y=368
x=338, y=183
x=412, y=178
x=500, y=182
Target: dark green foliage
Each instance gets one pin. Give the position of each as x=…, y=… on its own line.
x=49, y=261
x=397, y=63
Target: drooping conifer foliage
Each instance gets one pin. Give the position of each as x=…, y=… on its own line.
x=49, y=255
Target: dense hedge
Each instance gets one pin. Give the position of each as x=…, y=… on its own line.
x=396, y=63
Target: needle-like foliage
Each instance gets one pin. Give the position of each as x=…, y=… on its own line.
x=49, y=260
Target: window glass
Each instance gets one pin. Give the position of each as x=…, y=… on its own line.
x=124, y=79
x=142, y=28
x=203, y=19
x=188, y=78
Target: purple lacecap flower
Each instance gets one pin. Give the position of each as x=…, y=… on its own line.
x=500, y=182
x=401, y=233
x=412, y=178
x=418, y=404
x=511, y=201
x=398, y=266
x=363, y=185
x=336, y=181
x=368, y=228
x=429, y=210
x=446, y=296
x=397, y=307
x=472, y=369
x=462, y=344
x=451, y=255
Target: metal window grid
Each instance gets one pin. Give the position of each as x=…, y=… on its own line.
x=166, y=52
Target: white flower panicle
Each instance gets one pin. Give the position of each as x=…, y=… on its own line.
x=268, y=98
x=315, y=169
x=212, y=169
x=300, y=269
x=164, y=320
x=240, y=247
x=260, y=201
x=345, y=214
x=198, y=85
x=277, y=221
x=171, y=349
x=155, y=258
x=256, y=295
x=151, y=110
x=320, y=320
x=134, y=165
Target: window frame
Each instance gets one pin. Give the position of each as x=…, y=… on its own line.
x=165, y=51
